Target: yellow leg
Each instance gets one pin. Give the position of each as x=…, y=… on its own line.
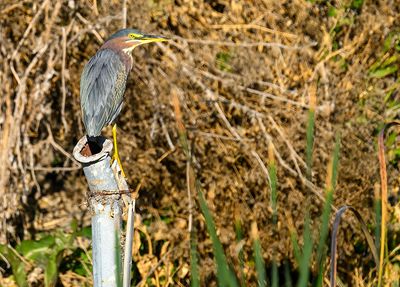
x=116, y=155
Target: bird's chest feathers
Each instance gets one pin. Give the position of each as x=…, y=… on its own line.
x=127, y=60
x=129, y=63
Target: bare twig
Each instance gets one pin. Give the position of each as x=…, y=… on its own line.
x=244, y=44
x=124, y=12
x=91, y=28
x=274, y=97
x=166, y=134
x=31, y=161
x=255, y=27
x=277, y=154
x=29, y=28
x=289, y=145
x=64, y=93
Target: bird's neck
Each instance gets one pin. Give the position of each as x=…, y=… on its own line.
x=125, y=56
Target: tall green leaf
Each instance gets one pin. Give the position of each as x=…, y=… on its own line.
x=310, y=141
x=306, y=254
x=288, y=278
x=239, y=238
x=260, y=265
x=275, y=277
x=17, y=265
x=194, y=265
x=225, y=275
x=274, y=195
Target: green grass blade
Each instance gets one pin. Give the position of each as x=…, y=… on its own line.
x=324, y=228
x=296, y=247
x=274, y=196
x=260, y=265
x=288, y=277
x=17, y=265
x=310, y=141
x=378, y=219
x=275, y=277
x=335, y=163
x=225, y=275
x=194, y=264
x=293, y=239
x=239, y=238
x=272, y=170
x=51, y=270
x=306, y=254
x=321, y=250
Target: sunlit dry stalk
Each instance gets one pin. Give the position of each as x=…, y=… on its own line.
x=5, y=141
x=124, y=12
x=64, y=93
x=9, y=8
x=271, y=157
x=313, y=97
x=383, y=175
x=95, y=10
x=189, y=171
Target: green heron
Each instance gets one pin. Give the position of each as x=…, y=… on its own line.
x=103, y=82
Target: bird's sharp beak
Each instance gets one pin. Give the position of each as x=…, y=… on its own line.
x=152, y=38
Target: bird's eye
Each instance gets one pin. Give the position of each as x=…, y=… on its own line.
x=134, y=36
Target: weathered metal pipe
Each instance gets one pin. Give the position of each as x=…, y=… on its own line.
x=105, y=201
x=130, y=204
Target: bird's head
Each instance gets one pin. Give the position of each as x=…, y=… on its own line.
x=128, y=39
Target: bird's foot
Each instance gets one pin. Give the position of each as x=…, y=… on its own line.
x=116, y=155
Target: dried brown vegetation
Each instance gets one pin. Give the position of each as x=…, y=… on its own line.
x=245, y=74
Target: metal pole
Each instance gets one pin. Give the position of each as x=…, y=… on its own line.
x=130, y=204
x=104, y=199
x=128, y=244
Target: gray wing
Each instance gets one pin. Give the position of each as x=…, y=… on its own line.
x=103, y=82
